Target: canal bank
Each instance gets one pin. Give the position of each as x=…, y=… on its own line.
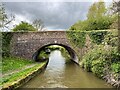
x=22, y=77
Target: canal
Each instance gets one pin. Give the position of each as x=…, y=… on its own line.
x=60, y=74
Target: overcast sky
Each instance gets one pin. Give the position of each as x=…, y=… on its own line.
x=55, y=15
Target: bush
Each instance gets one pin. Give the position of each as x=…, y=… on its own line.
x=100, y=23
x=98, y=67
x=24, y=27
x=99, y=58
x=93, y=54
x=6, y=38
x=115, y=55
x=115, y=67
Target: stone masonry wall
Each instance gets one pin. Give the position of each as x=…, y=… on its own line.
x=25, y=44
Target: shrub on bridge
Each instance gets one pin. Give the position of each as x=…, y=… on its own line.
x=24, y=27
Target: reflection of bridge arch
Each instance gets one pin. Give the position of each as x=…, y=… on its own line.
x=71, y=52
x=25, y=44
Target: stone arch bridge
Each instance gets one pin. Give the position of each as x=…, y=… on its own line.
x=27, y=44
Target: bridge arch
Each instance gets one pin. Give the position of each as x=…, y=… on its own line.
x=28, y=44
x=71, y=52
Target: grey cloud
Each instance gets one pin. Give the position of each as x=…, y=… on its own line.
x=54, y=15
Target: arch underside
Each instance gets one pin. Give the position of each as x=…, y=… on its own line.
x=71, y=52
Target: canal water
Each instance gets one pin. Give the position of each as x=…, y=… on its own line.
x=60, y=74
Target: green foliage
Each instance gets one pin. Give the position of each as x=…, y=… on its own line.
x=87, y=63
x=96, y=10
x=97, y=36
x=115, y=24
x=93, y=24
x=65, y=54
x=98, y=58
x=100, y=23
x=93, y=54
x=6, y=38
x=116, y=67
x=97, y=19
x=98, y=67
x=112, y=38
x=24, y=26
x=43, y=55
x=77, y=38
x=52, y=48
x=115, y=55
x=80, y=25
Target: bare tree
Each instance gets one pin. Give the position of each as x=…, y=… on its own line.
x=4, y=19
x=38, y=24
x=116, y=6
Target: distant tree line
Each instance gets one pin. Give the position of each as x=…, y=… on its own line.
x=37, y=25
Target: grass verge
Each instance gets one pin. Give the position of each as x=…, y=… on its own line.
x=16, y=77
x=13, y=63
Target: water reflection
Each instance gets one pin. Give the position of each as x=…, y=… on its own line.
x=65, y=75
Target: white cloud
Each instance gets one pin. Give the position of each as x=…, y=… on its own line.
x=55, y=15
x=19, y=18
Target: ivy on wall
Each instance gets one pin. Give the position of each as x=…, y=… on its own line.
x=6, y=38
x=112, y=38
x=76, y=37
x=97, y=37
